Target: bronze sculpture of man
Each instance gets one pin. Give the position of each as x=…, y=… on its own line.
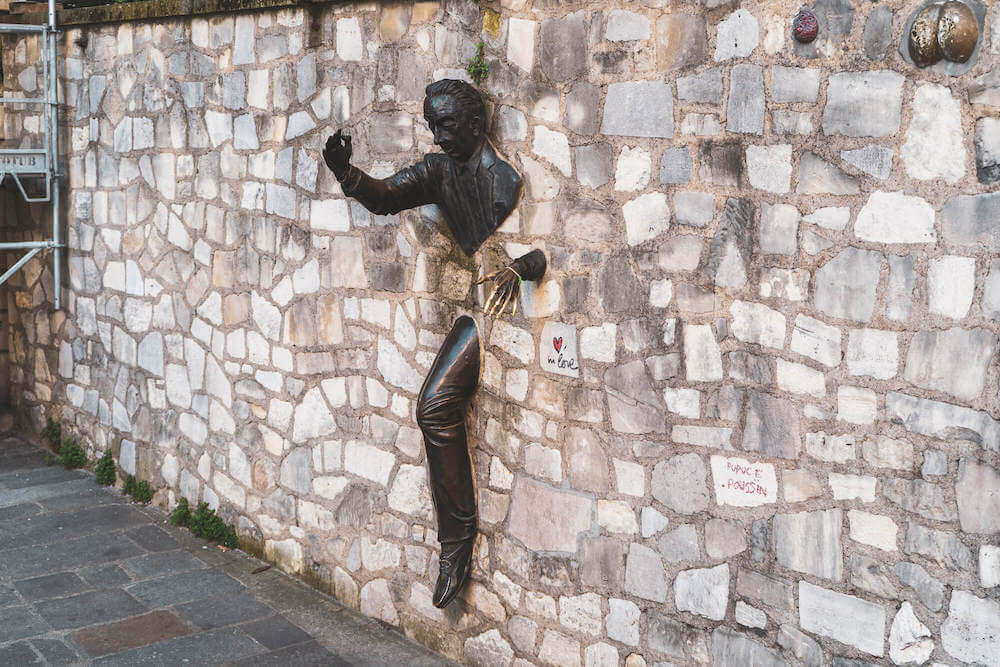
x=476, y=191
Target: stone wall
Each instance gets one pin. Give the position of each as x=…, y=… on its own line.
x=775, y=264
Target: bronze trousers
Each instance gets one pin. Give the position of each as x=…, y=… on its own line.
x=441, y=409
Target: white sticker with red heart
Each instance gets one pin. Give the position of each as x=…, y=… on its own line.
x=557, y=349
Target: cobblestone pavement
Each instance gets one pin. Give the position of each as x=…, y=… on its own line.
x=86, y=577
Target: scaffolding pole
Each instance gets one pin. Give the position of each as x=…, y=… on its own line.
x=39, y=162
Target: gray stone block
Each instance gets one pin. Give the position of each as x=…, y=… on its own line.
x=817, y=177
x=971, y=220
x=703, y=591
x=873, y=160
x=845, y=286
x=978, y=494
x=696, y=209
x=732, y=648
x=845, y=618
x=987, y=143
x=675, y=166
x=794, y=84
x=944, y=548
x=745, y=109
x=772, y=424
x=680, y=483
x=644, y=576
x=955, y=361
x=563, y=46
x=680, y=544
x=863, y=104
x=810, y=542
x=639, y=109
x=928, y=589
x=704, y=87
x=582, y=103
x=971, y=633
x=878, y=35
x=593, y=164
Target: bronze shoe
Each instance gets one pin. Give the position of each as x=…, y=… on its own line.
x=455, y=564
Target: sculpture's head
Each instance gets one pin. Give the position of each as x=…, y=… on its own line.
x=456, y=115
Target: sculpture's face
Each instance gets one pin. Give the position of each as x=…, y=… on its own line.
x=454, y=131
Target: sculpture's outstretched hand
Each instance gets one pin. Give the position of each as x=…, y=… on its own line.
x=337, y=154
x=506, y=289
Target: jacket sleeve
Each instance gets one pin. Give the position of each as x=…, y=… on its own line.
x=410, y=187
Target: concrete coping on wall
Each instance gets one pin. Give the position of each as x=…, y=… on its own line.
x=119, y=12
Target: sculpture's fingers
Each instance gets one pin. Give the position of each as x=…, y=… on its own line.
x=347, y=143
x=488, y=276
x=337, y=136
x=489, y=301
x=513, y=310
x=510, y=293
x=494, y=302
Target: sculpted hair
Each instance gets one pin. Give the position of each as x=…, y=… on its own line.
x=467, y=97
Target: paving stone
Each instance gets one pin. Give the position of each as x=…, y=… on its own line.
x=784, y=121
x=844, y=618
x=54, y=651
x=105, y=576
x=704, y=592
x=681, y=42
x=275, y=632
x=130, y=633
x=704, y=87
x=928, y=589
x=909, y=639
x=989, y=565
x=50, y=586
x=730, y=252
x=931, y=361
x=89, y=608
x=18, y=622
x=873, y=160
x=987, y=144
x=968, y=220
x=770, y=591
x=183, y=587
x=863, y=104
x=219, y=611
x=745, y=109
x=724, y=538
x=732, y=648
x=971, y=632
x=19, y=653
x=991, y=290
x=639, y=109
x=563, y=47
x=679, y=483
x=308, y=654
x=934, y=146
x=779, y=229
x=159, y=564
x=224, y=644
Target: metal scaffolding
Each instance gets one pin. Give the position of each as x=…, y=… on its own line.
x=39, y=162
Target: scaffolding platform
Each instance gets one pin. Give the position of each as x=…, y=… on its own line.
x=38, y=164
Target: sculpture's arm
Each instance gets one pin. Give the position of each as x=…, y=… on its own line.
x=507, y=281
x=408, y=188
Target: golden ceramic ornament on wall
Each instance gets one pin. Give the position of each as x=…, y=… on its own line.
x=957, y=31
x=924, y=47
x=949, y=31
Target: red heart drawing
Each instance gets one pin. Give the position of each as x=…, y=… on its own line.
x=557, y=343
